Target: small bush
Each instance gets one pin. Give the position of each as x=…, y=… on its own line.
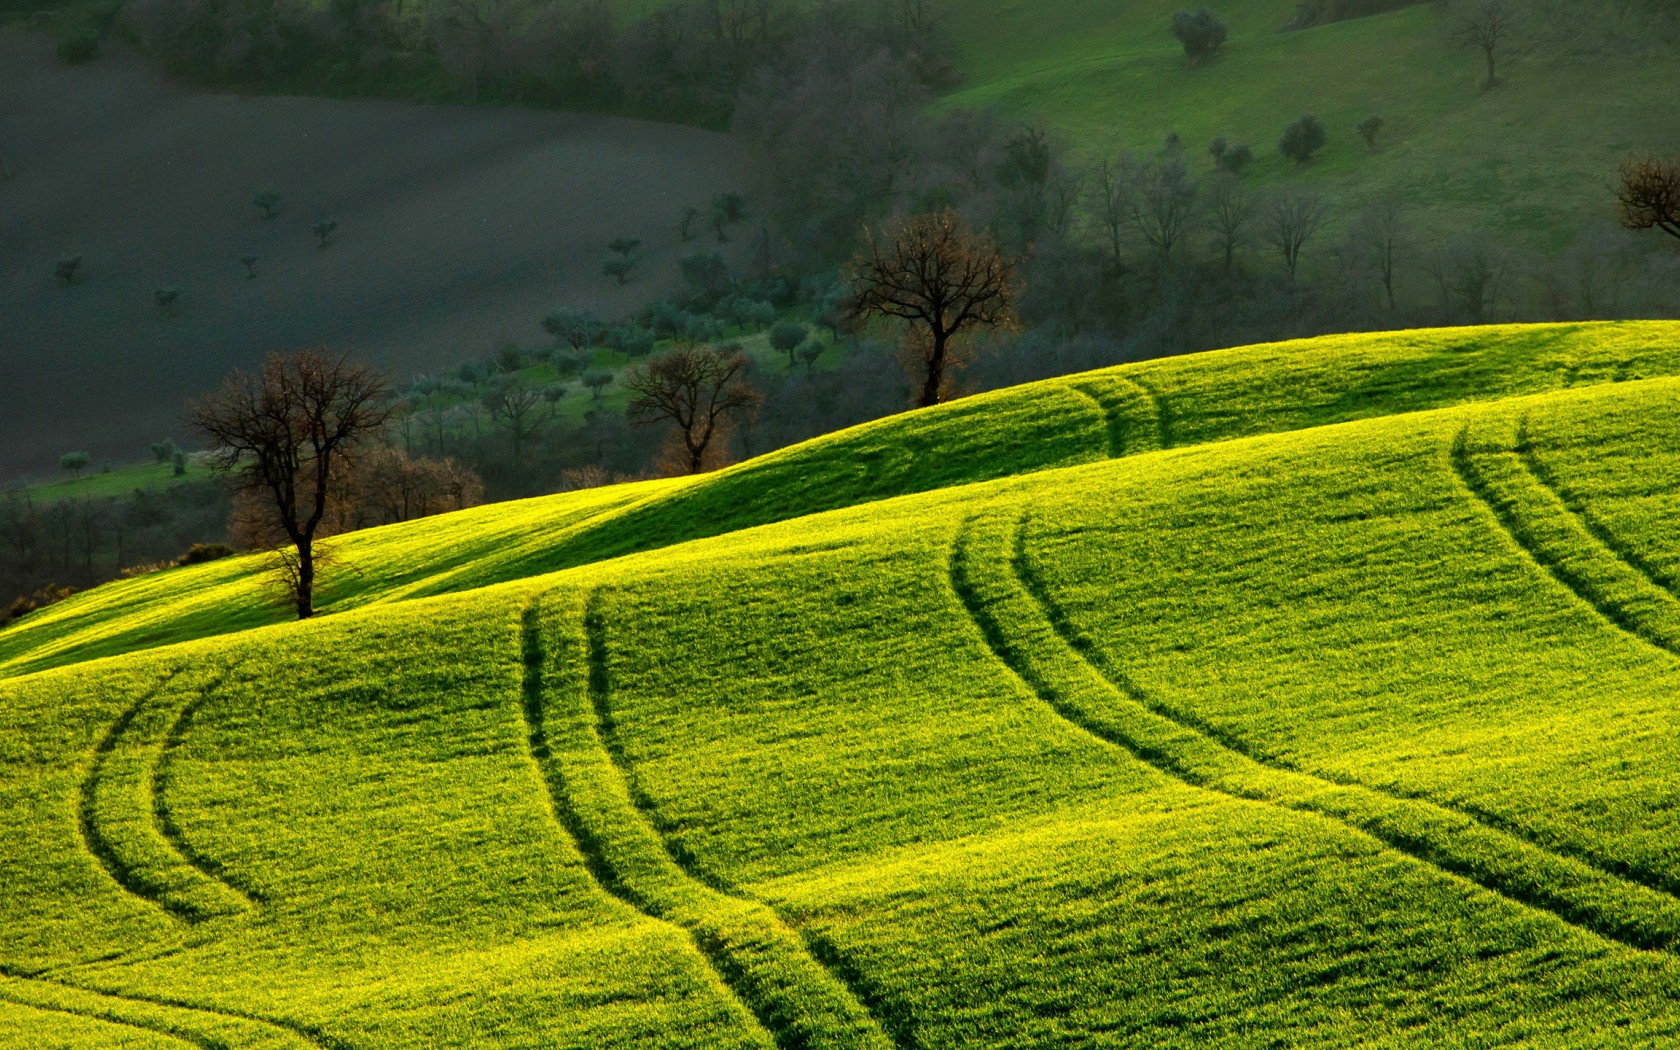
x=78, y=48
x=25, y=604
x=1303, y=138
x=1201, y=32
x=199, y=553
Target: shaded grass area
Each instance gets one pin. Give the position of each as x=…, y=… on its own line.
x=1412, y=790
x=1058, y=423
x=1111, y=77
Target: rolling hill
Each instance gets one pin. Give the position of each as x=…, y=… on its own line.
x=1532, y=160
x=1311, y=694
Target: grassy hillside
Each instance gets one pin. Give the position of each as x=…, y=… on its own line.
x=1533, y=158
x=1081, y=419
x=1327, y=725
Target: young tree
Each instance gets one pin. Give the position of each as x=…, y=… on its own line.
x=809, y=351
x=75, y=462
x=1487, y=27
x=786, y=337
x=1649, y=197
x=624, y=259
x=685, y=224
x=324, y=231
x=1160, y=200
x=286, y=436
x=931, y=273
x=166, y=299
x=67, y=267
x=578, y=329
x=164, y=451
x=1369, y=129
x=1291, y=221
x=250, y=264
x=513, y=407
x=596, y=382
x=700, y=389
x=1303, y=138
x=268, y=202
x=728, y=209
x=1379, y=230
x=1201, y=32
x=1229, y=214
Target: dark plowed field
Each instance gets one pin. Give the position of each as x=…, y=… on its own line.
x=458, y=228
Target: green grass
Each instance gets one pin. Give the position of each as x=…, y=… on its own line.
x=1303, y=695
x=116, y=482
x=1533, y=159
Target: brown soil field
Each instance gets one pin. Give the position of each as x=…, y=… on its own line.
x=458, y=228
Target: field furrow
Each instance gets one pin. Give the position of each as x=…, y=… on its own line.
x=1131, y=412
x=191, y=1024
x=126, y=821
x=1499, y=474
x=990, y=576
x=788, y=997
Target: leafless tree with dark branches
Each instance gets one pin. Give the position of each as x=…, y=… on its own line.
x=1488, y=27
x=1649, y=197
x=286, y=435
x=930, y=272
x=700, y=389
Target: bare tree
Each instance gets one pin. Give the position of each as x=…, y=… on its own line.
x=285, y=436
x=513, y=407
x=1488, y=27
x=700, y=389
x=1292, y=220
x=1229, y=215
x=940, y=279
x=1160, y=202
x=1379, y=231
x=388, y=486
x=1649, y=196
x=1109, y=202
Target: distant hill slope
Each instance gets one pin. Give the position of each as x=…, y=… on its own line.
x=1079, y=419
x=458, y=228
x=1323, y=734
x=1533, y=159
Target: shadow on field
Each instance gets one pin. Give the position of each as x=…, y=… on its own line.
x=457, y=228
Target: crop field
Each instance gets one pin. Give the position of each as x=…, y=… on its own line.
x=457, y=229
x=1316, y=694
x=1533, y=157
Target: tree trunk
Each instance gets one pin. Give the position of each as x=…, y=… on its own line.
x=935, y=371
x=305, y=579
x=1492, y=79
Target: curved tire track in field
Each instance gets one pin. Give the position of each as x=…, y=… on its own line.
x=1577, y=506
x=1117, y=396
x=189, y=1040
x=163, y=871
x=1561, y=542
x=775, y=976
x=1163, y=411
x=103, y=1005
x=167, y=825
x=1023, y=632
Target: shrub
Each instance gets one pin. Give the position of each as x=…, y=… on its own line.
x=1236, y=159
x=199, y=553
x=1201, y=32
x=1303, y=138
x=1369, y=129
x=268, y=201
x=67, y=267
x=79, y=47
x=23, y=605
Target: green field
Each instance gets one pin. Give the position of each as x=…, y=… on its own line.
x=1313, y=694
x=1534, y=158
